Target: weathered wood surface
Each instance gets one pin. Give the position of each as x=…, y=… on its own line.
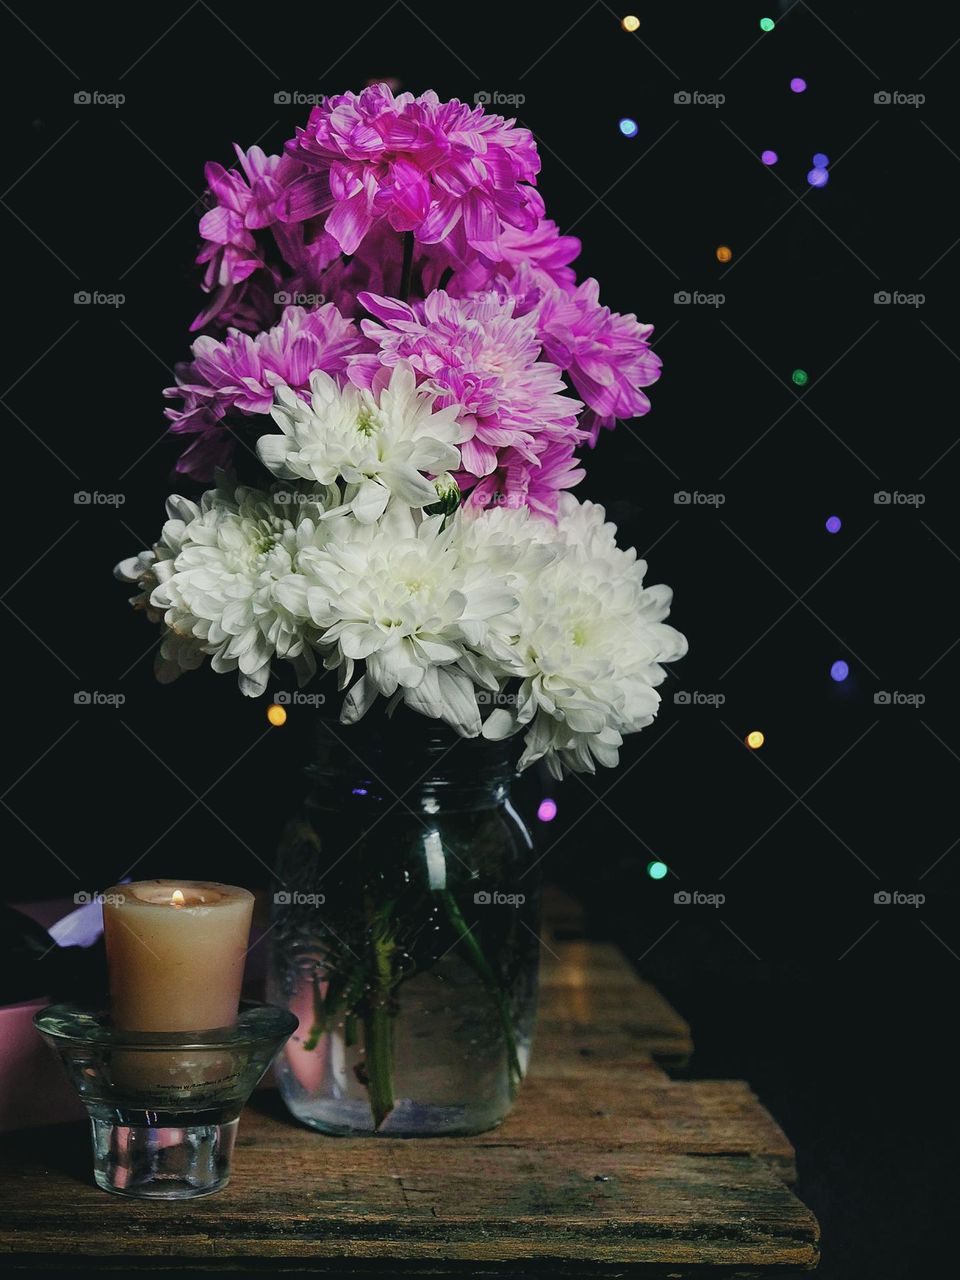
x=605, y=1166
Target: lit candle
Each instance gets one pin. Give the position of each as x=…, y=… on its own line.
x=175, y=952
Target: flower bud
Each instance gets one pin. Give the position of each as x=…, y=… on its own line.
x=448, y=492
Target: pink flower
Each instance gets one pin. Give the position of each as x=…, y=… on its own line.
x=476, y=353
x=239, y=374
x=443, y=170
x=539, y=257
x=606, y=355
x=250, y=255
x=517, y=482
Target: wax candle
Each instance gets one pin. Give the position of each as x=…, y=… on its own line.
x=175, y=952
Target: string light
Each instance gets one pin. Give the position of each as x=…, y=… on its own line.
x=769, y=157
x=755, y=739
x=798, y=84
x=818, y=177
x=839, y=671
x=656, y=870
x=629, y=128
x=800, y=377
x=276, y=714
x=834, y=524
x=767, y=24
x=547, y=810
x=630, y=22
x=724, y=253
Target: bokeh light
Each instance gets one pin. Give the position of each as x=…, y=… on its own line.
x=767, y=24
x=839, y=671
x=820, y=161
x=818, y=177
x=656, y=870
x=800, y=377
x=547, y=810
x=769, y=157
x=629, y=128
x=834, y=524
x=755, y=739
x=724, y=253
x=630, y=22
x=798, y=84
x=276, y=714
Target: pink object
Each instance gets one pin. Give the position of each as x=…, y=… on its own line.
x=33, y=1087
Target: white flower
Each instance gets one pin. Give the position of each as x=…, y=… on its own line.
x=142, y=569
x=380, y=442
x=227, y=582
x=401, y=597
x=588, y=650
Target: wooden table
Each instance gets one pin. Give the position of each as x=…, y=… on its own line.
x=606, y=1167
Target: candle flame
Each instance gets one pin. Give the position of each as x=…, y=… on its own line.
x=176, y=898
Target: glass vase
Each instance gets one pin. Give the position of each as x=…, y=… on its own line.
x=405, y=934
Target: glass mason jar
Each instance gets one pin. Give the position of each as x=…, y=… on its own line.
x=405, y=933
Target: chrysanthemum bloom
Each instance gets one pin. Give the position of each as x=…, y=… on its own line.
x=239, y=376
x=381, y=441
x=244, y=201
x=476, y=353
x=223, y=578
x=251, y=257
x=607, y=356
x=540, y=256
x=518, y=482
x=442, y=170
x=401, y=599
x=590, y=643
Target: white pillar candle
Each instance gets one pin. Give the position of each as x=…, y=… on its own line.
x=175, y=952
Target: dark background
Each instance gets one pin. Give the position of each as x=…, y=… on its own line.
x=837, y=1009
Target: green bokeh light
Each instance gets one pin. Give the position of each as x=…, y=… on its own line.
x=657, y=870
x=800, y=377
x=767, y=24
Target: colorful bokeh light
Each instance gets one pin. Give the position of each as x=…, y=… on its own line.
x=839, y=671
x=629, y=128
x=276, y=714
x=656, y=870
x=834, y=524
x=547, y=810
x=755, y=739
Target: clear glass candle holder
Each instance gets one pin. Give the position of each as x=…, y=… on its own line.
x=164, y=1105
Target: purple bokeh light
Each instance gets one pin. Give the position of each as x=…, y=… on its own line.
x=834, y=524
x=769, y=157
x=798, y=84
x=547, y=810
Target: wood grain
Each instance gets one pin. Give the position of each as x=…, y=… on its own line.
x=605, y=1163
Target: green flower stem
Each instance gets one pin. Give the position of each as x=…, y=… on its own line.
x=480, y=964
x=340, y=995
x=378, y=1029
x=406, y=269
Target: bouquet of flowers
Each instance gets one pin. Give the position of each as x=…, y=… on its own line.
x=398, y=361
